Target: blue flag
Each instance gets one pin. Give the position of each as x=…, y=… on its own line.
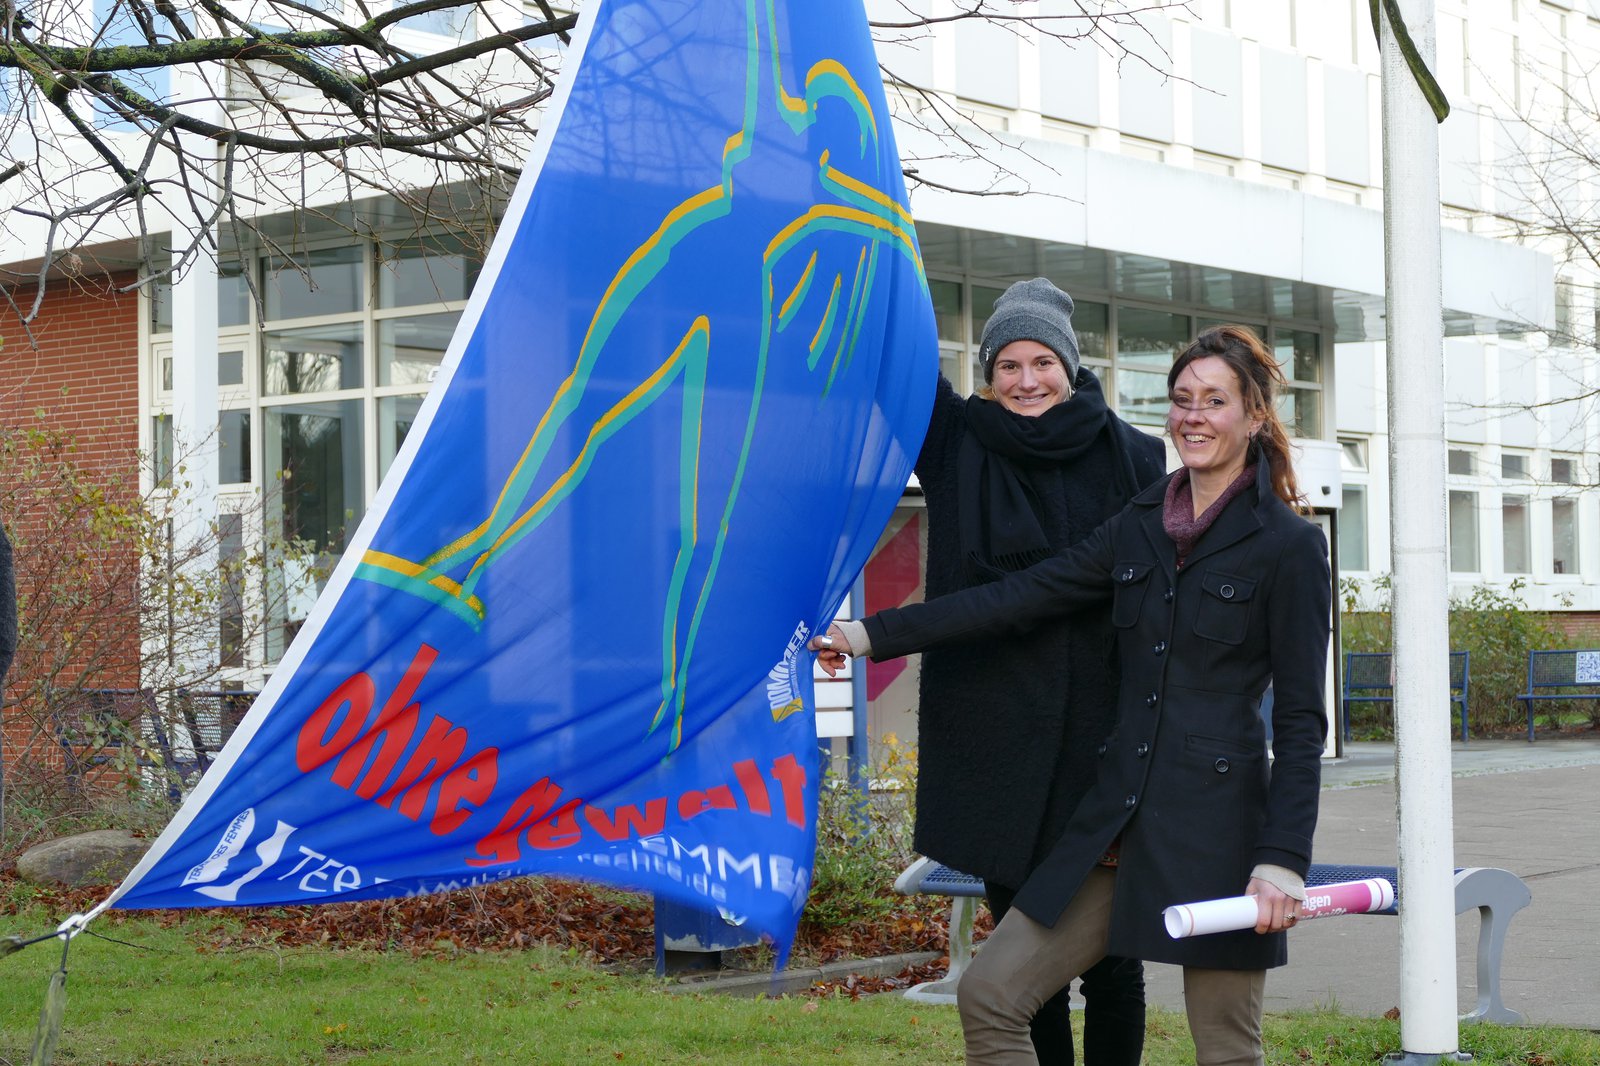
x=569, y=636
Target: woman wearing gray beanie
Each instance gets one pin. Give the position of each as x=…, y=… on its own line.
x=1008, y=730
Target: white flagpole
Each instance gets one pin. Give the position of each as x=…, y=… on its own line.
x=1418, y=533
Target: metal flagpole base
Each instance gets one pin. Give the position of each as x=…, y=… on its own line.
x=1412, y=1058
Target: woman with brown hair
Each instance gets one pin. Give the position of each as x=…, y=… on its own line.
x=1218, y=588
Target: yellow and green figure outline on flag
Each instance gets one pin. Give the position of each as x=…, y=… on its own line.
x=856, y=206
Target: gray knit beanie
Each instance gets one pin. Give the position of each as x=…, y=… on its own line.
x=1031, y=311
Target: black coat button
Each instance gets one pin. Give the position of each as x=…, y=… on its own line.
x=1160, y=647
x=1142, y=750
x=1226, y=592
x=1167, y=595
x=1221, y=765
x=1126, y=575
x=1103, y=749
x=1152, y=699
x=1130, y=802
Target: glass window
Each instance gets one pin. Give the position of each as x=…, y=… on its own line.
x=996, y=254
x=314, y=453
x=983, y=298
x=1146, y=344
x=1459, y=462
x=396, y=416
x=1301, y=411
x=1517, y=547
x=1158, y=279
x=1298, y=353
x=230, y=609
x=1142, y=396
x=1352, y=454
x=1563, y=471
x=313, y=359
x=327, y=281
x=1353, y=529
x=947, y=311
x=950, y=365
x=161, y=306
x=1513, y=466
x=411, y=349
x=1564, y=536
x=1294, y=299
x=1565, y=304
x=233, y=300
x=436, y=272
x=1463, y=531
x=233, y=447
x=1090, y=322
x=1150, y=338
x=1072, y=267
x=230, y=368
x=233, y=296
x=161, y=448
x=1231, y=291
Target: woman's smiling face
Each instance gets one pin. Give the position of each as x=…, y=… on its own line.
x=1207, y=421
x=1029, y=378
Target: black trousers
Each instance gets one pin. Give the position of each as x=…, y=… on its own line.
x=1113, y=1008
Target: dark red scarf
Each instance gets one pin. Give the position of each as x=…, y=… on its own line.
x=1177, y=510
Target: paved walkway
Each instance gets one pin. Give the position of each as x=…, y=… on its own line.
x=1533, y=809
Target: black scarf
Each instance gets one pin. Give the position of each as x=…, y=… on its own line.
x=998, y=498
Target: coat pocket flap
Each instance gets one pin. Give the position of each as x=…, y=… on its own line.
x=1228, y=587
x=1130, y=573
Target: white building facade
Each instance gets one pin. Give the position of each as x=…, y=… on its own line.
x=1226, y=169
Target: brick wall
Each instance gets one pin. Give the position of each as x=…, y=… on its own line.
x=75, y=371
x=1579, y=625
x=81, y=369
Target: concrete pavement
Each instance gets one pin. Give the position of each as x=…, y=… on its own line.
x=1533, y=809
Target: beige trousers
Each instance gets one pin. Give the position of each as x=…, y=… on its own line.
x=1023, y=963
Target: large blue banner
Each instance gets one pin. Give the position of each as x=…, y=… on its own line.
x=686, y=394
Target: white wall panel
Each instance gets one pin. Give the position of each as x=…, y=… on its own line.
x=1069, y=74
x=906, y=54
x=1145, y=107
x=1283, y=109
x=986, y=63
x=1217, y=96
x=1346, y=125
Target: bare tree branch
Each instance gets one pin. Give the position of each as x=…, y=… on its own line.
x=95, y=143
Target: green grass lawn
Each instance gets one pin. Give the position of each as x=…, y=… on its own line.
x=190, y=993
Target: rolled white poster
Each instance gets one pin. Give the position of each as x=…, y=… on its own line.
x=1241, y=912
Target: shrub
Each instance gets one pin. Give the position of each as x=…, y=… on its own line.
x=1493, y=625
x=863, y=839
x=120, y=608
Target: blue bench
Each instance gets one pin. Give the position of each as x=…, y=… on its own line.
x=1369, y=678
x=1569, y=670
x=92, y=725
x=1497, y=896
x=210, y=716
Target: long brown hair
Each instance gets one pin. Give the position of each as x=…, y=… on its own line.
x=1261, y=381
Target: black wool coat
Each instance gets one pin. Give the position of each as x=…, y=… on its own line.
x=1008, y=727
x=1184, y=780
